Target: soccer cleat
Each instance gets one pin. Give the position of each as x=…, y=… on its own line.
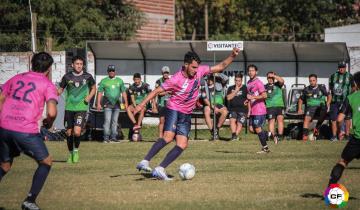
x=76, y=156
x=305, y=138
x=333, y=139
x=26, y=205
x=144, y=166
x=70, y=159
x=159, y=173
x=264, y=151
x=235, y=138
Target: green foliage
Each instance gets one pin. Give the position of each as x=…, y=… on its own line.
x=69, y=23
x=269, y=20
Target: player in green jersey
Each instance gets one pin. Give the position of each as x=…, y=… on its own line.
x=161, y=99
x=111, y=91
x=80, y=88
x=275, y=105
x=314, y=98
x=352, y=148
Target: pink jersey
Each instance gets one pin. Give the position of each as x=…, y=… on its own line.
x=26, y=95
x=184, y=91
x=255, y=87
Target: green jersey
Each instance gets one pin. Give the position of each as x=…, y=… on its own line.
x=112, y=89
x=275, y=97
x=314, y=96
x=216, y=97
x=352, y=105
x=77, y=87
x=340, y=86
x=161, y=100
x=139, y=92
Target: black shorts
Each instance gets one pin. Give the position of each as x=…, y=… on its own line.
x=75, y=118
x=12, y=143
x=334, y=111
x=162, y=111
x=312, y=111
x=273, y=112
x=351, y=150
x=239, y=116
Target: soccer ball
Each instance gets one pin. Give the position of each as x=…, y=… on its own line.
x=336, y=196
x=187, y=171
x=136, y=137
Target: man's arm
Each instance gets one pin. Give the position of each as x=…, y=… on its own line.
x=60, y=91
x=149, y=97
x=225, y=63
x=51, y=113
x=2, y=100
x=99, y=98
x=263, y=95
x=91, y=94
x=279, y=79
x=232, y=94
x=300, y=103
x=124, y=95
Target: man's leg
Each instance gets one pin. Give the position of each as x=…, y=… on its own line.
x=141, y=117
x=114, y=124
x=280, y=121
x=107, y=123
x=307, y=120
x=272, y=127
x=337, y=171
x=161, y=126
x=130, y=114
x=258, y=123
x=347, y=127
x=223, y=114
x=208, y=120
x=175, y=152
x=233, y=127
x=333, y=117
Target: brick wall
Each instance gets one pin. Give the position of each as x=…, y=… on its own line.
x=160, y=19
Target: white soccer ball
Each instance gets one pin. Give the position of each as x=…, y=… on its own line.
x=136, y=137
x=187, y=171
x=336, y=196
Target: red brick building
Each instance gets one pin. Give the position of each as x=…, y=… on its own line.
x=160, y=19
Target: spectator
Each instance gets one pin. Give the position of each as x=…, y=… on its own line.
x=340, y=85
x=110, y=93
x=213, y=95
x=137, y=91
x=238, y=106
x=161, y=99
x=275, y=105
x=315, y=104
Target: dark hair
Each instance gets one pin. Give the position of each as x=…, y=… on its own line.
x=137, y=75
x=357, y=79
x=239, y=75
x=191, y=56
x=41, y=62
x=312, y=75
x=270, y=72
x=252, y=66
x=77, y=57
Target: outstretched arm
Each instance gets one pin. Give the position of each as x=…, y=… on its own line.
x=225, y=63
x=148, y=98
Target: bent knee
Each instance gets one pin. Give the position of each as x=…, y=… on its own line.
x=47, y=161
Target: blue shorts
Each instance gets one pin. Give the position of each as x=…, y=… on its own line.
x=177, y=122
x=12, y=143
x=257, y=121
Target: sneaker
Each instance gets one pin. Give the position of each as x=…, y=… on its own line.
x=263, y=151
x=106, y=141
x=159, y=173
x=144, y=166
x=70, y=159
x=333, y=139
x=235, y=138
x=26, y=205
x=76, y=157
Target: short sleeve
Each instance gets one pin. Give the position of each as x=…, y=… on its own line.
x=63, y=82
x=345, y=107
x=101, y=86
x=122, y=86
x=203, y=70
x=169, y=84
x=91, y=81
x=261, y=87
x=51, y=92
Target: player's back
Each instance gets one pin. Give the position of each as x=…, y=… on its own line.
x=25, y=95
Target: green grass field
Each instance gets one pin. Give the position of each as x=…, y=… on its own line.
x=230, y=175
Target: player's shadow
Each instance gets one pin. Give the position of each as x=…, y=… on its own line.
x=228, y=152
x=147, y=176
x=321, y=197
x=353, y=168
x=58, y=161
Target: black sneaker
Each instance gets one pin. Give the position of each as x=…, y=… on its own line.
x=26, y=205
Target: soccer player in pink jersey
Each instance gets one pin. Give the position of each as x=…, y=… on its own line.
x=22, y=102
x=183, y=88
x=256, y=96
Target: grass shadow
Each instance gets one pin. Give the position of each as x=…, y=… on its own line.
x=228, y=152
x=147, y=176
x=120, y=175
